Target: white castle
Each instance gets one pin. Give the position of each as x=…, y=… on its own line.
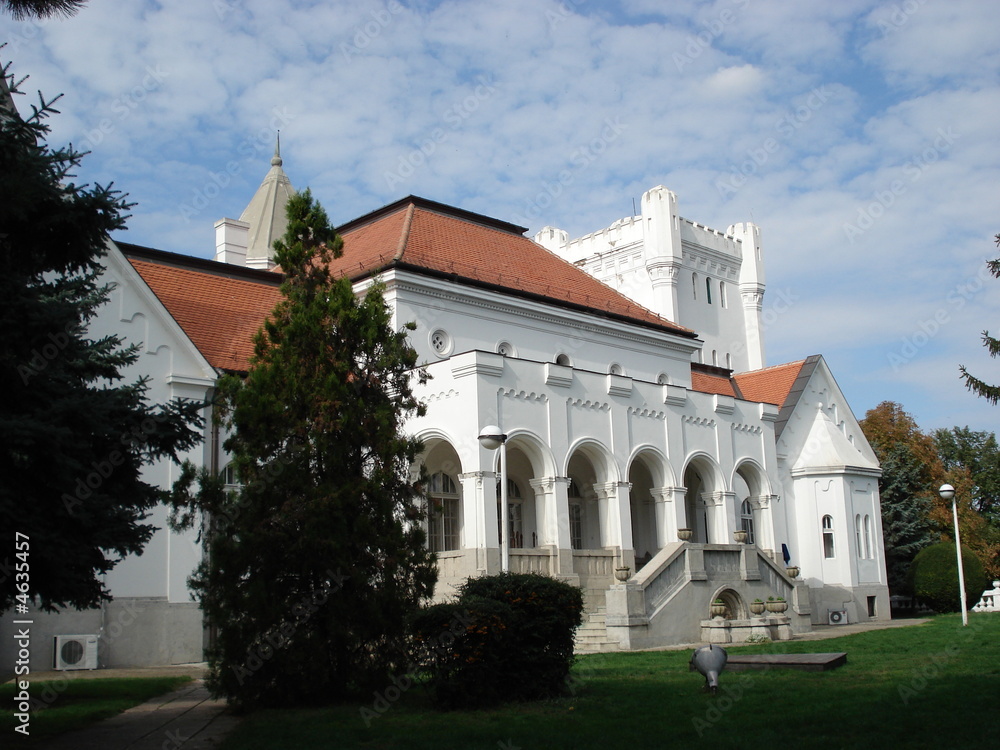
x=651, y=457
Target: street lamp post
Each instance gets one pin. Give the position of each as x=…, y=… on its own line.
x=492, y=438
x=947, y=492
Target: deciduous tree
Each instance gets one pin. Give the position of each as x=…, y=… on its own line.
x=909, y=466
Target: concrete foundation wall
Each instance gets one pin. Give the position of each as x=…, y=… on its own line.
x=133, y=632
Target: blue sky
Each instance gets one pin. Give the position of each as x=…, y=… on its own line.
x=861, y=136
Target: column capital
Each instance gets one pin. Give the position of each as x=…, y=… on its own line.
x=477, y=476
x=606, y=490
x=543, y=485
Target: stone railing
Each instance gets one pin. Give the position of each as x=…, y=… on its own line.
x=531, y=561
x=594, y=563
x=667, y=600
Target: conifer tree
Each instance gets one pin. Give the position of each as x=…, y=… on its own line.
x=314, y=562
x=980, y=387
x=74, y=436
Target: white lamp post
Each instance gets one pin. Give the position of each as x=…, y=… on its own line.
x=947, y=492
x=492, y=438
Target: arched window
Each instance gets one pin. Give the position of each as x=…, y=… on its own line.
x=722, y=293
x=746, y=520
x=857, y=535
x=729, y=361
x=715, y=357
x=230, y=478
x=868, y=537
x=442, y=513
x=708, y=290
x=694, y=285
x=828, y=537
x=563, y=360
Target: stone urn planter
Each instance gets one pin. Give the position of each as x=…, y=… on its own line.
x=740, y=535
x=685, y=534
x=757, y=607
x=777, y=606
x=623, y=573
x=718, y=608
x=793, y=571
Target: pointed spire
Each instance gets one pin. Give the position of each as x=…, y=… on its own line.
x=266, y=213
x=276, y=159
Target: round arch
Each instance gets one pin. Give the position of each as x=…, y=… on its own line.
x=703, y=478
x=598, y=455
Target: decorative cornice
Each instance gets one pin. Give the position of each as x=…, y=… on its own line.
x=646, y=412
x=522, y=395
x=588, y=404
x=443, y=395
x=698, y=421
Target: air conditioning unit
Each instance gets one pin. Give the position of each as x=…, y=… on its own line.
x=837, y=616
x=75, y=652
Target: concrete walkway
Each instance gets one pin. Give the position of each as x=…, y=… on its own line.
x=187, y=718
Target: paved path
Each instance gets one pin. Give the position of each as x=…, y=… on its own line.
x=188, y=718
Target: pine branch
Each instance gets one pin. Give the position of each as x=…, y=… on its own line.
x=982, y=389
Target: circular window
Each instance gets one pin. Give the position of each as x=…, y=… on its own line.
x=441, y=342
x=505, y=349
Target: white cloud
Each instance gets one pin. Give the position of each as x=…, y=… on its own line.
x=809, y=118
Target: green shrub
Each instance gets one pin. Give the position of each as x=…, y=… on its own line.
x=933, y=577
x=455, y=645
x=508, y=637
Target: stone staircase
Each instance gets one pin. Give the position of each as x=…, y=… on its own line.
x=592, y=635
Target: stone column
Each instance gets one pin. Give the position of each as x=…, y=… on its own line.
x=552, y=521
x=721, y=516
x=480, y=530
x=670, y=513
x=764, y=520
x=615, y=512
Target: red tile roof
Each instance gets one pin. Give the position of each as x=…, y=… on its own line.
x=429, y=237
x=704, y=382
x=770, y=385
x=221, y=306
x=219, y=310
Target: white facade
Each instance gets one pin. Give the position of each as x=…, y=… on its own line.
x=616, y=443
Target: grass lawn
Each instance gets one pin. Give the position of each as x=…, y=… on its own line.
x=71, y=703
x=926, y=686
